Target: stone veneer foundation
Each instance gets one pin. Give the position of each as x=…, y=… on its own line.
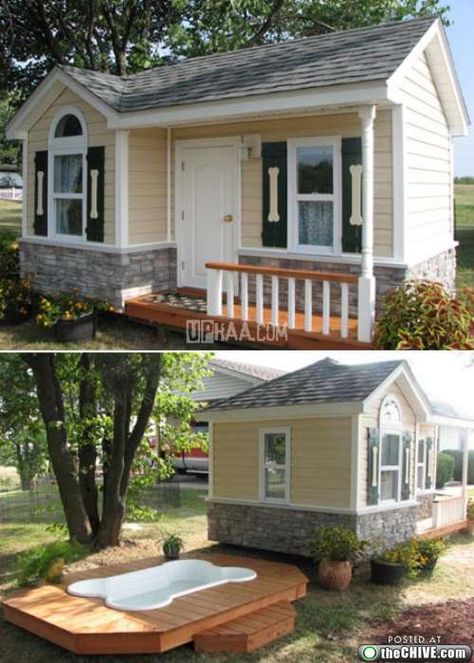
x=105, y=275
x=439, y=268
x=288, y=530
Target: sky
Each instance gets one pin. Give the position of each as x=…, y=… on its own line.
x=448, y=376
x=460, y=35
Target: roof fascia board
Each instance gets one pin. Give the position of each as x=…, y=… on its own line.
x=296, y=100
x=434, y=35
x=32, y=109
x=405, y=370
x=309, y=410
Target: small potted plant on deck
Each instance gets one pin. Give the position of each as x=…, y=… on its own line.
x=72, y=317
x=172, y=545
x=335, y=549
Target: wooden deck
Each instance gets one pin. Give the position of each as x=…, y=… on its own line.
x=235, y=330
x=86, y=626
x=444, y=530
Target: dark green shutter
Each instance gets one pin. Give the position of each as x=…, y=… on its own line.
x=40, y=224
x=275, y=233
x=406, y=469
x=351, y=153
x=95, y=227
x=373, y=464
x=429, y=446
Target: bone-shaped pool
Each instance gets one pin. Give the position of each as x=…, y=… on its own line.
x=157, y=586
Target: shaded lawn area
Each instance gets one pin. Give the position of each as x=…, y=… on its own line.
x=465, y=256
x=464, y=194
x=330, y=626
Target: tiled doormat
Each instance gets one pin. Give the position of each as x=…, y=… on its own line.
x=178, y=300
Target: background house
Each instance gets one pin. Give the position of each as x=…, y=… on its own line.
x=350, y=445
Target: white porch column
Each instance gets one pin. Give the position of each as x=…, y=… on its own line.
x=24, y=212
x=121, y=188
x=366, y=279
x=465, y=466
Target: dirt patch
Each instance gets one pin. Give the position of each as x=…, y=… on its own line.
x=453, y=621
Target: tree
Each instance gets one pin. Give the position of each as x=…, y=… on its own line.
x=123, y=36
x=96, y=410
x=22, y=437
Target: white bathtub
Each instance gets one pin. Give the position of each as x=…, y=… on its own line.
x=157, y=586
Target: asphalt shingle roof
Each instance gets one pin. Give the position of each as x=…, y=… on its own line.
x=260, y=372
x=323, y=382
x=352, y=56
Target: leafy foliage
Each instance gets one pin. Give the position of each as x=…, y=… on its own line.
x=172, y=545
x=46, y=562
x=414, y=555
x=9, y=257
x=336, y=544
x=67, y=306
x=470, y=508
x=421, y=315
x=444, y=469
x=16, y=300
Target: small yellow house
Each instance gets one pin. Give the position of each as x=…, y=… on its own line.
x=349, y=445
x=309, y=176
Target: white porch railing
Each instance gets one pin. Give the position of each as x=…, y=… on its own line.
x=11, y=194
x=448, y=510
x=222, y=276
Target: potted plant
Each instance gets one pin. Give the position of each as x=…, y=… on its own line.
x=430, y=551
x=172, y=545
x=16, y=300
x=335, y=549
x=391, y=566
x=72, y=317
x=470, y=515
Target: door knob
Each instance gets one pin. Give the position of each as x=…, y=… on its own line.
x=228, y=218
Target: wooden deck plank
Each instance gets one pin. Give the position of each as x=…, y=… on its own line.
x=439, y=532
x=86, y=626
x=142, y=308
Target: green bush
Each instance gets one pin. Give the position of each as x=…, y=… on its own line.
x=9, y=256
x=38, y=563
x=444, y=469
x=457, y=457
x=16, y=300
x=421, y=315
x=336, y=544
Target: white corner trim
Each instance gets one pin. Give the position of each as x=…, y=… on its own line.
x=168, y=184
x=24, y=204
x=121, y=188
x=399, y=182
x=356, y=441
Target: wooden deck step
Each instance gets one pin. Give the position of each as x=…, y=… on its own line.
x=248, y=633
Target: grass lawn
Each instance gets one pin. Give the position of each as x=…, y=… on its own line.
x=329, y=626
x=465, y=234
x=10, y=216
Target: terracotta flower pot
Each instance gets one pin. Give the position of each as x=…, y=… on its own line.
x=335, y=576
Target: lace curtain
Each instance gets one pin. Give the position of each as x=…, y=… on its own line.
x=315, y=223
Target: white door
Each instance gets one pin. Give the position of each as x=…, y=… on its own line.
x=207, y=182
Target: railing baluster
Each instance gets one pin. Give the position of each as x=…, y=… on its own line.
x=230, y=294
x=291, y=303
x=344, y=310
x=244, y=296
x=308, y=305
x=259, y=302
x=214, y=291
x=326, y=306
x=275, y=301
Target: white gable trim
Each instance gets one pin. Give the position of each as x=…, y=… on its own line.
x=423, y=405
x=35, y=106
x=435, y=44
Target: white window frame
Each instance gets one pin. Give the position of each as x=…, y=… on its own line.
x=69, y=145
x=294, y=197
x=422, y=464
x=393, y=428
x=285, y=430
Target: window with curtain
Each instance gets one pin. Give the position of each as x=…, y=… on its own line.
x=316, y=183
x=390, y=467
x=275, y=460
x=68, y=150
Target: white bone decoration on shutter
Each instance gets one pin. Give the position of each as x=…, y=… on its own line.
x=374, y=467
x=356, y=216
x=94, y=177
x=273, y=216
x=39, y=203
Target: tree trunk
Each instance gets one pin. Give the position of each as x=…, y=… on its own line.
x=87, y=445
x=52, y=410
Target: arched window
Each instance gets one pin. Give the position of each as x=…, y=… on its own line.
x=391, y=450
x=68, y=176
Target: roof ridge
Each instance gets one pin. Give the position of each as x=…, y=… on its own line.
x=368, y=28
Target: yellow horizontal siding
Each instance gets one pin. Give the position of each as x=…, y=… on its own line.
x=320, y=466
